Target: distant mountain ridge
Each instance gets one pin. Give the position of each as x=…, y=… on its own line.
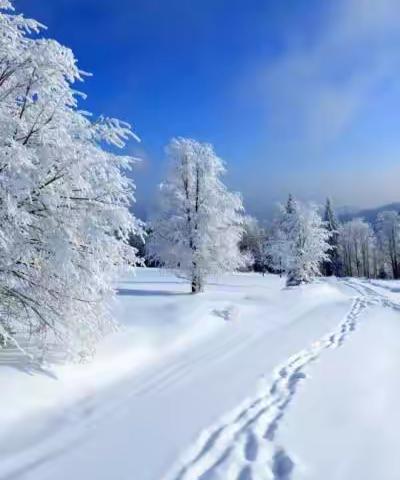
x=369, y=214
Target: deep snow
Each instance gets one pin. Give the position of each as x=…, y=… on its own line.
x=240, y=382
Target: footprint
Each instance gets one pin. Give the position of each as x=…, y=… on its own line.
x=211, y=473
x=209, y=444
x=294, y=378
x=282, y=466
x=251, y=447
x=273, y=426
x=245, y=473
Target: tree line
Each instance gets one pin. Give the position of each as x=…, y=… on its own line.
x=354, y=248
x=202, y=230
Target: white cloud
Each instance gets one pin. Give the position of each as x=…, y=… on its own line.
x=315, y=89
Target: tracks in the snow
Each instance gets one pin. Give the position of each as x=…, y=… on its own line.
x=243, y=445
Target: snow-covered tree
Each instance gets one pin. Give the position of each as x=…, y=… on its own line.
x=253, y=244
x=279, y=244
x=357, y=244
x=388, y=232
x=301, y=242
x=64, y=200
x=332, y=266
x=200, y=224
x=291, y=205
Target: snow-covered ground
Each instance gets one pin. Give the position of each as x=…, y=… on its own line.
x=242, y=382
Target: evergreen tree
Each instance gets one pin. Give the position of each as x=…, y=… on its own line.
x=301, y=242
x=290, y=205
x=332, y=265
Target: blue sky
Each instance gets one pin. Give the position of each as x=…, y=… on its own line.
x=295, y=95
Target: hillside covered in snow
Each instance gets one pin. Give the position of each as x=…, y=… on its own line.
x=249, y=380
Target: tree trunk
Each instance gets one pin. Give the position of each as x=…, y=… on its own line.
x=294, y=278
x=196, y=285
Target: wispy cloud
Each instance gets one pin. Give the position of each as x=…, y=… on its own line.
x=317, y=87
x=328, y=98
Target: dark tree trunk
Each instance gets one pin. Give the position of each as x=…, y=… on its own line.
x=293, y=279
x=196, y=285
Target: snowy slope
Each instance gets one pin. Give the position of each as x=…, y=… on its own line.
x=198, y=387
x=354, y=435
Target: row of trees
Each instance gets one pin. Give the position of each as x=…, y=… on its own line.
x=201, y=230
x=371, y=250
x=353, y=248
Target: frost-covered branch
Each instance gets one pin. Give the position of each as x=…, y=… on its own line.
x=58, y=254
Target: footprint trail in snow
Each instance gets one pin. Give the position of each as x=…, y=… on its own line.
x=243, y=445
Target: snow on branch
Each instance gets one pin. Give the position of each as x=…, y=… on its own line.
x=64, y=199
